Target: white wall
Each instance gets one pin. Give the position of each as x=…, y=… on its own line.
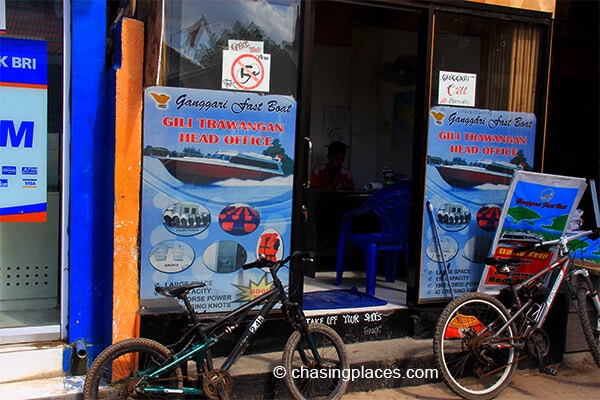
x=331, y=88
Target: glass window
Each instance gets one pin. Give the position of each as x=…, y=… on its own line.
x=197, y=32
x=30, y=269
x=504, y=56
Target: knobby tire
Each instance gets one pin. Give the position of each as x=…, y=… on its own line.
x=471, y=366
x=116, y=371
x=589, y=322
x=313, y=381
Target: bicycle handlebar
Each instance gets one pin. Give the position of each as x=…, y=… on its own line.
x=592, y=233
x=264, y=263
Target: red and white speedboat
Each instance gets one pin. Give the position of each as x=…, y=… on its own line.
x=222, y=165
x=482, y=172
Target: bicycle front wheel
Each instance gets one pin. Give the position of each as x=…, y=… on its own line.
x=590, y=322
x=310, y=378
x=120, y=371
x=473, y=364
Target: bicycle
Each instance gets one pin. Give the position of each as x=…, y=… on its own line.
x=145, y=369
x=479, y=338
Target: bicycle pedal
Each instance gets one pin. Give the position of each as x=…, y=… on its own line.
x=548, y=371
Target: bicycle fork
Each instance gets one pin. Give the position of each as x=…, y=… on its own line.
x=297, y=318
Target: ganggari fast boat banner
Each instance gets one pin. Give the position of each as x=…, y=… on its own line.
x=538, y=207
x=23, y=130
x=472, y=156
x=216, y=191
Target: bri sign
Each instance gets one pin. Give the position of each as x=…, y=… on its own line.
x=23, y=130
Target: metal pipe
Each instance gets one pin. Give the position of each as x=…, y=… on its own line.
x=80, y=348
x=595, y=202
x=436, y=237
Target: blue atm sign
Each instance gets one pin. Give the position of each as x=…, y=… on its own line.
x=23, y=130
x=21, y=136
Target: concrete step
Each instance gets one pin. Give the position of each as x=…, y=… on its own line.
x=369, y=361
x=253, y=374
x=31, y=361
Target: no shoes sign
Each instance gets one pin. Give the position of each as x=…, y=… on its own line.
x=246, y=67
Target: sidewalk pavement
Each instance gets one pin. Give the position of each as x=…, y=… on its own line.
x=577, y=379
x=253, y=378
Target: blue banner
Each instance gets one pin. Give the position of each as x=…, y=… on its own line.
x=216, y=191
x=472, y=156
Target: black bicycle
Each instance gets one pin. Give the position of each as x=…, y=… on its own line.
x=314, y=356
x=479, y=338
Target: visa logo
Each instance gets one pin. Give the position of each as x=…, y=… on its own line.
x=30, y=182
x=29, y=170
x=3, y=182
x=9, y=170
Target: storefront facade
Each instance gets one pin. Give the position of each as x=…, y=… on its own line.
x=298, y=72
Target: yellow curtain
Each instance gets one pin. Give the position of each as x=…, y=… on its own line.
x=512, y=66
x=524, y=68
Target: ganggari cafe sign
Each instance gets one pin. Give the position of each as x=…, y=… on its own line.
x=457, y=89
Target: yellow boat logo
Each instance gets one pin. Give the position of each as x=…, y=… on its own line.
x=161, y=99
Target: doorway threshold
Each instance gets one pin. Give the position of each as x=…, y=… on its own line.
x=394, y=293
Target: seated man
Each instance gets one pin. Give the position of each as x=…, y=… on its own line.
x=332, y=175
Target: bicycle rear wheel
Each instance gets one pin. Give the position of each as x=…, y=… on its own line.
x=472, y=365
x=305, y=377
x=117, y=371
x=590, y=322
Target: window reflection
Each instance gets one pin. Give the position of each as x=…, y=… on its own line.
x=503, y=54
x=197, y=32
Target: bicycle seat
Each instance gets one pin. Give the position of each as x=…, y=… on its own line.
x=178, y=290
x=502, y=264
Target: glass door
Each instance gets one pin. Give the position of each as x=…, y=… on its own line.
x=486, y=121
x=219, y=148
x=364, y=79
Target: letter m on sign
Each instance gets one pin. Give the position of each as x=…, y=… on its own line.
x=23, y=135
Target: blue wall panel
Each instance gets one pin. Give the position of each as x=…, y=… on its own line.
x=92, y=193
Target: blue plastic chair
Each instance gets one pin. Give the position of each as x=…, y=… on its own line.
x=392, y=205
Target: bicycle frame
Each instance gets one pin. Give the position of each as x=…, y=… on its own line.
x=565, y=273
x=228, y=323
x=270, y=299
x=480, y=338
